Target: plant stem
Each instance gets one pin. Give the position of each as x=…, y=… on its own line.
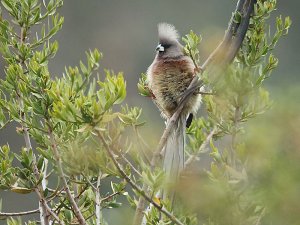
x=234, y=135
x=62, y=175
x=98, y=201
x=201, y=148
x=3, y=214
x=140, y=207
x=133, y=184
x=43, y=207
x=49, y=211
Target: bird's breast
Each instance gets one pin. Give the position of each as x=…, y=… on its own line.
x=168, y=79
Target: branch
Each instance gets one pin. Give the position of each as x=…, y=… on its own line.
x=248, y=7
x=43, y=202
x=107, y=198
x=140, y=139
x=4, y=215
x=258, y=221
x=229, y=45
x=133, y=184
x=140, y=207
x=245, y=8
x=130, y=164
x=201, y=148
x=234, y=135
x=98, y=201
x=90, y=183
x=44, y=209
x=62, y=175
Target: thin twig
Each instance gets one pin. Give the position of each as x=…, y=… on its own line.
x=48, y=209
x=140, y=207
x=139, y=139
x=258, y=221
x=3, y=214
x=62, y=175
x=204, y=93
x=130, y=164
x=98, y=200
x=234, y=135
x=81, y=192
x=195, y=84
x=202, y=147
x=44, y=209
x=133, y=184
x=90, y=183
x=107, y=198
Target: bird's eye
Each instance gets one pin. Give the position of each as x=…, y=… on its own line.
x=166, y=46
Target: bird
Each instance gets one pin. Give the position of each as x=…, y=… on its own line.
x=169, y=75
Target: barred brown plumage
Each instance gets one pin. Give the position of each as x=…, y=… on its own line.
x=171, y=73
x=169, y=76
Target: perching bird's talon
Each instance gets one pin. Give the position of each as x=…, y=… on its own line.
x=198, y=70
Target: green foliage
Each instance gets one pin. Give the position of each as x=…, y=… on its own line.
x=238, y=95
x=60, y=113
x=153, y=179
x=82, y=130
x=192, y=42
x=143, y=86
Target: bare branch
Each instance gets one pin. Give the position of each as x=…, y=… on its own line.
x=244, y=8
x=107, y=198
x=247, y=9
x=43, y=202
x=140, y=207
x=140, y=139
x=98, y=201
x=130, y=164
x=133, y=184
x=201, y=148
x=90, y=183
x=62, y=175
x=4, y=215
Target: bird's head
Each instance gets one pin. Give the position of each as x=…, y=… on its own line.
x=169, y=46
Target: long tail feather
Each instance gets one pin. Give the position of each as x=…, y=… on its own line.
x=173, y=163
x=174, y=158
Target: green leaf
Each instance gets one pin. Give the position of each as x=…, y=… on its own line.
x=2, y=118
x=21, y=190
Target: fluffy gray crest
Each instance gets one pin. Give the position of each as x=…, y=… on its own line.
x=167, y=32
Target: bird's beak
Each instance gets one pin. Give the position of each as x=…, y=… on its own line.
x=160, y=48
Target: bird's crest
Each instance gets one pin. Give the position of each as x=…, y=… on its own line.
x=167, y=32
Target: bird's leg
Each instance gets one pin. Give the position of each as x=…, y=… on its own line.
x=198, y=69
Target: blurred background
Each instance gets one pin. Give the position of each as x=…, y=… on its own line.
x=126, y=33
